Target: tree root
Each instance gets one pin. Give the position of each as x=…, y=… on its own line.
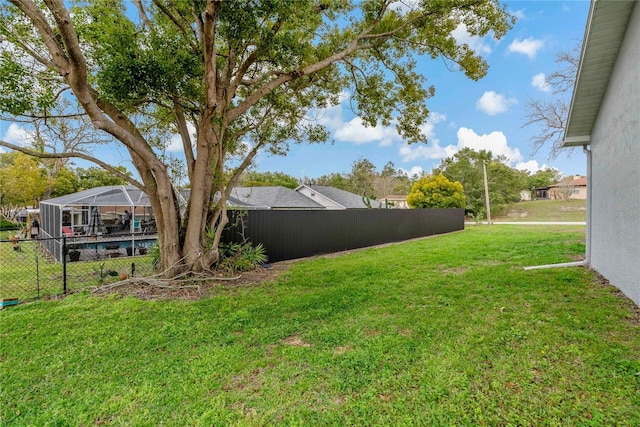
x=172, y=283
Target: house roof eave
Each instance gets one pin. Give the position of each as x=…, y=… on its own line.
x=606, y=26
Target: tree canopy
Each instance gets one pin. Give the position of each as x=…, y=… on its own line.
x=365, y=180
x=505, y=183
x=544, y=178
x=263, y=179
x=247, y=76
x=436, y=191
x=22, y=180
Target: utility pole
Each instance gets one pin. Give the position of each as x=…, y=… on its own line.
x=486, y=192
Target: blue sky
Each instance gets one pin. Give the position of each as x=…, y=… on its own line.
x=487, y=114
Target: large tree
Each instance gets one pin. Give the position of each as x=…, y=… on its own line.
x=390, y=181
x=543, y=178
x=505, y=182
x=360, y=179
x=93, y=177
x=245, y=74
x=22, y=182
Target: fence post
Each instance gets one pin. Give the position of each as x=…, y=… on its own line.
x=64, y=264
x=38, y=276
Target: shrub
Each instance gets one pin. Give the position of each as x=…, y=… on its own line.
x=235, y=257
x=9, y=225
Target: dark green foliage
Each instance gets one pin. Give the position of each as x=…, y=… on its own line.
x=9, y=225
x=543, y=178
x=236, y=257
x=93, y=177
x=505, y=182
x=154, y=253
x=266, y=179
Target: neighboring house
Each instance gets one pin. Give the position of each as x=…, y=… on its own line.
x=276, y=197
x=575, y=188
x=540, y=193
x=398, y=201
x=604, y=119
x=334, y=198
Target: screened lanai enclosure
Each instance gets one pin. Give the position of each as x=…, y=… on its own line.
x=98, y=222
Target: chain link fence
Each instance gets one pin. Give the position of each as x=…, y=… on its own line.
x=29, y=270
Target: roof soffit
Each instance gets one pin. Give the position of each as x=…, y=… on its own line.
x=606, y=27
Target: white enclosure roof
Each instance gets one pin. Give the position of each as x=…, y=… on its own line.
x=115, y=195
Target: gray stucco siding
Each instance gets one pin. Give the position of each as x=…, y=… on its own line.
x=615, y=171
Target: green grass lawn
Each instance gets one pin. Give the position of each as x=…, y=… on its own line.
x=447, y=330
x=545, y=210
x=29, y=274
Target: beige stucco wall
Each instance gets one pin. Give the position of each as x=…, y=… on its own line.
x=579, y=193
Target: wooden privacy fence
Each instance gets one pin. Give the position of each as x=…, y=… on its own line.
x=290, y=234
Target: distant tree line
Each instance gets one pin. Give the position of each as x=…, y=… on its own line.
x=24, y=180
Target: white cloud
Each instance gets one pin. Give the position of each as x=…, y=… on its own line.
x=519, y=14
x=531, y=166
x=494, y=103
x=331, y=117
x=430, y=151
x=428, y=129
x=18, y=135
x=415, y=170
x=496, y=142
x=356, y=132
x=528, y=46
x=175, y=143
x=474, y=42
x=539, y=81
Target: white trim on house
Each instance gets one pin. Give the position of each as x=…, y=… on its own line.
x=318, y=197
x=606, y=26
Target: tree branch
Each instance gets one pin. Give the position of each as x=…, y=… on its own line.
x=143, y=15
x=77, y=155
x=183, y=130
x=177, y=23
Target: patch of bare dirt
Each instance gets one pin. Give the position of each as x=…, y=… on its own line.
x=185, y=290
x=517, y=213
x=342, y=349
x=459, y=270
x=296, y=341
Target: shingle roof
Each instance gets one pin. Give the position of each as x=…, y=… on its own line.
x=580, y=182
x=273, y=197
x=344, y=198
